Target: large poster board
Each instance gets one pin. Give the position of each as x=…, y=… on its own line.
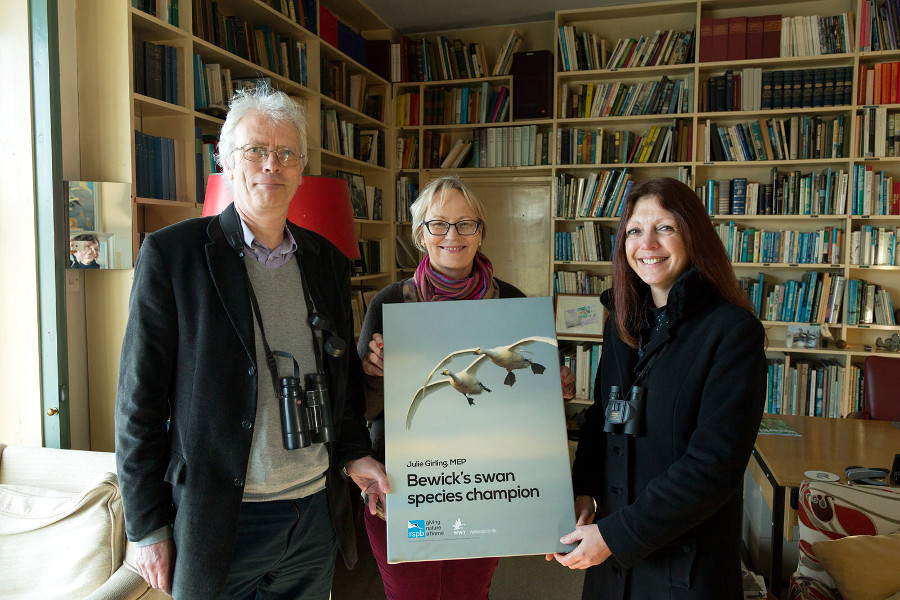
x=479, y=468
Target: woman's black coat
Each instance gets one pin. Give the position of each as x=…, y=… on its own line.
x=670, y=498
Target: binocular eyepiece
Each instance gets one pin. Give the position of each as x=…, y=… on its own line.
x=305, y=414
x=625, y=416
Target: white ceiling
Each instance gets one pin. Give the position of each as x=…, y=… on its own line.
x=417, y=16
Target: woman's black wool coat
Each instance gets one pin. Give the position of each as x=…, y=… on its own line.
x=670, y=498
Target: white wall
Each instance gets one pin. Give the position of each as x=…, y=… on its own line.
x=20, y=388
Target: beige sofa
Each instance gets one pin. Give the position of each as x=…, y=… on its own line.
x=62, y=531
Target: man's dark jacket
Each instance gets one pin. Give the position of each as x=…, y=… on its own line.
x=189, y=354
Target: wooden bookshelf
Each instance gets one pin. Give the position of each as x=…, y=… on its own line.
x=619, y=22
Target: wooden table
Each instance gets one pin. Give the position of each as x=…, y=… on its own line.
x=824, y=444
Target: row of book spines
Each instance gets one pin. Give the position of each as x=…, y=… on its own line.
x=522, y=146
x=165, y=10
x=581, y=51
x=790, y=138
x=459, y=60
x=868, y=303
x=661, y=48
x=804, y=88
x=370, y=262
x=580, y=282
x=406, y=193
x=592, y=243
x=408, y=152
x=663, y=96
x=583, y=361
x=155, y=160
x=344, y=137
x=873, y=246
x=208, y=19
x=156, y=71
x=880, y=28
x=816, y=298
x=659, y=144
x=213, y=86
x=598, y=195
x=785, y=246
x=792, y=193
x=872, y=193
x=739, y=38
x=455, y=106
x=255, y=43
x=351, y=89
x=807, y=387
x=420, y=59
x=878, y=84
x=814, y=35
x=877, y=133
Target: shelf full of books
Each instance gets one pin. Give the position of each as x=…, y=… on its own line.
x=786, y=126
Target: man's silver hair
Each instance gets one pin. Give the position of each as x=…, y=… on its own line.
x=275, y=105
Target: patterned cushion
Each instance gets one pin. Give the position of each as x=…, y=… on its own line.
x=830, y=511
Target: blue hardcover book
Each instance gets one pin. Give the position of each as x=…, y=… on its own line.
x=625, y=193
x=200, y=188
x=170, y=169
x=726, y=143
x=746, y=146
x=739, y=196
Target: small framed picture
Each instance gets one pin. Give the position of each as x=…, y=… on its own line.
x=357, y=185
x=579, y=315
x=802, y=336
x=84, y=206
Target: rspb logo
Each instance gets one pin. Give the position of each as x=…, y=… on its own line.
x=415, y=529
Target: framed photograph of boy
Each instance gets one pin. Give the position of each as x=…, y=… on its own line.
x=357, y=185
x=579, y=315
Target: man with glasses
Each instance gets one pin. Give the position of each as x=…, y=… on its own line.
x=218, y=505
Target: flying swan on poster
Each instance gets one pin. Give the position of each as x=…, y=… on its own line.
x=507, y=357
x=466, y=383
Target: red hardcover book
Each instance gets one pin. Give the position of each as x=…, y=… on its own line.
x=861, y=85
x=720, y=40
x=737, y=38
x=328, y=26
x=771, y=36
x=876, y=97
x=894, y=74
x=755, y=27
x=706, y=39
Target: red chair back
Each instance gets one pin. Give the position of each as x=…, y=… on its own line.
x=882, y=381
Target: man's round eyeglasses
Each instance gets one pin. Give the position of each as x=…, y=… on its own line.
x=464, y=227
x=285, y=156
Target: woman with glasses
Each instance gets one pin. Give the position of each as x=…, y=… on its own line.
x=448, y=224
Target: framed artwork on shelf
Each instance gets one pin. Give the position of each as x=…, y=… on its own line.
x=579, y=315
x=84, y=205
x=357, y=185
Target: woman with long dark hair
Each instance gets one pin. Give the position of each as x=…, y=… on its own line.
x=677, y=404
